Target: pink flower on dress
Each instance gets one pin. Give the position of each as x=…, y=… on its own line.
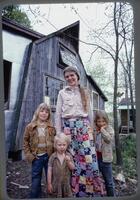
x=85, y=137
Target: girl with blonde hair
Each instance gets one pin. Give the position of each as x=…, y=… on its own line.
x=38, y=145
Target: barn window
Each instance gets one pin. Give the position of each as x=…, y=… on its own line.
x=51, y=89
x=66, y=57
x=95, y=101
x=7, y=80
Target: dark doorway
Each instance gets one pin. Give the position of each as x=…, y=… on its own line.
x=7, y=80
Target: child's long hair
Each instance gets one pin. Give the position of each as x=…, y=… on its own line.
x=42, y=106
x=101, y=114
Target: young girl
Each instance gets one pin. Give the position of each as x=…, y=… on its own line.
x=38, y=145
x=104, y=135
x=59, y=168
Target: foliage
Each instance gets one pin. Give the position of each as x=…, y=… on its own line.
x=115, y=38
x=15, y=13
x=129, y=155
x=104, y=79
x=100, y=74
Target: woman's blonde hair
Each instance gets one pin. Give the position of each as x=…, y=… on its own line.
x=85, y=98
x=61, y=137
x=42, y=106
x=101, y=114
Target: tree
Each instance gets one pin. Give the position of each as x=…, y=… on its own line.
x=103, y=79
x=128, y=36
x=104, y=44
x=116, y=60
x=15, y=13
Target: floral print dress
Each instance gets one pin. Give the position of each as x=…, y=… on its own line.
x=85, y=179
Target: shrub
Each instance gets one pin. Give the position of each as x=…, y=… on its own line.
x=129, y=153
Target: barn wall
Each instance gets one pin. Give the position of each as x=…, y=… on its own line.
x=31, y=98
x=43, y=60
x=101, y=103
x=124, y=117
x=15, y=49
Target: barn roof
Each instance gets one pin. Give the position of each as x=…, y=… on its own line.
x=125, y=103
x=12, y=26
x=71, y=31
x=93, y=82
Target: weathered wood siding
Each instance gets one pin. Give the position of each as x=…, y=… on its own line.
x=44, y=60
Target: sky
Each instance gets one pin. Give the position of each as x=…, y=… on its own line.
x=56, y=16
x=48, y=18
x=61, y=15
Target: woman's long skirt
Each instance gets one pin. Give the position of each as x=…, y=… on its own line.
x=85, y=178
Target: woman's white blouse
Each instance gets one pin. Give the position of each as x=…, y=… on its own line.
x=69, y=105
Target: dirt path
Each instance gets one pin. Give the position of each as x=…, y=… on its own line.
x=19, y=182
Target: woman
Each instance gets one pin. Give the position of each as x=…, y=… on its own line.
x=72, y=118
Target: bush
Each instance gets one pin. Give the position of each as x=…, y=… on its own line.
x=129, y=153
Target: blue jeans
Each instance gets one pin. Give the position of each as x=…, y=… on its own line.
x=106, y=170
x=37, y=168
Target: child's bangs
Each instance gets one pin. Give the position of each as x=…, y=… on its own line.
x=45, y=107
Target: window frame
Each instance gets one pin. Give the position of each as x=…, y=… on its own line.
x=98, y=106
x=53, y=106
x=62, y=64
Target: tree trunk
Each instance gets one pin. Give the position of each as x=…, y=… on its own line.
x=127, y=100
x=116, y=128
x=132, y=101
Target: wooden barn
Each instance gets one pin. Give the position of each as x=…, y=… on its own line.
x=33, y=73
